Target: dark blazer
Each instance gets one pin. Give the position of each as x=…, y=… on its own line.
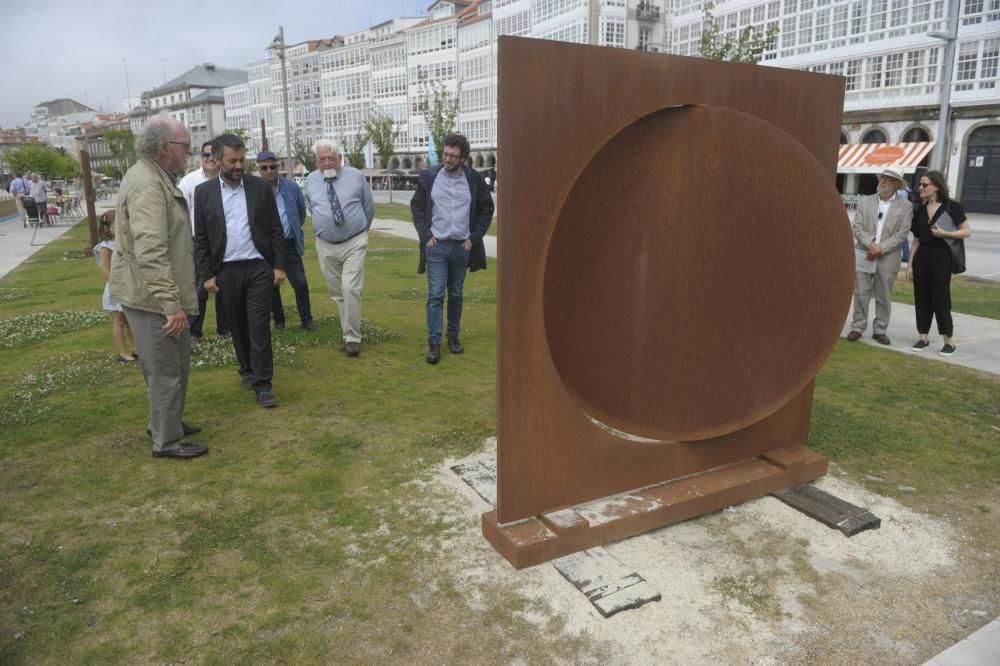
x=295, y=209
x=210, y=225
x=480, y=213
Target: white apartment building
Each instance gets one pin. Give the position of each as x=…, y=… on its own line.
x=894, y=70
x=889, y=52
x=237, y=110
x=195, y=98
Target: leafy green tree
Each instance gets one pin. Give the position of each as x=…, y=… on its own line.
x=440, y=110
x=41, y=159
x=748, y=46
x=303, y=152
x=382, y=131
x=354, y=149
x=121, y=143
x=31, y=158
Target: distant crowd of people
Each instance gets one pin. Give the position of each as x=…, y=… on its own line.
x=881, y=226
x=221, y=231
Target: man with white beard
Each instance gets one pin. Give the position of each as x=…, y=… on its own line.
x=342, y=209
x=879, y=227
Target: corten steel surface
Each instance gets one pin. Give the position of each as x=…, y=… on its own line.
x=674, y=268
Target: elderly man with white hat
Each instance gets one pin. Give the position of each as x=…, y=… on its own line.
x=880, y=227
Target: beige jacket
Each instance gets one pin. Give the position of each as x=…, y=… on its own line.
x=894, y=231
x=153, y=265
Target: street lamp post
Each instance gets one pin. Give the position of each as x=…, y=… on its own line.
x=279, y=44
x=949, y=37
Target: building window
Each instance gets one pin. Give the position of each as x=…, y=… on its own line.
x=968, y=54
x=893, y=69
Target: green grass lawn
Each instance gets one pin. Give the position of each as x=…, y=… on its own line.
x=307, y=535
x=968, y=296
x=395, y=211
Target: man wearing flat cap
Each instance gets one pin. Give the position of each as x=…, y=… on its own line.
x=880, y=227
x=292, y=211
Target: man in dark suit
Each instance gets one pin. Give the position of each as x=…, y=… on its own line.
x=452, y=209
x=240, y=250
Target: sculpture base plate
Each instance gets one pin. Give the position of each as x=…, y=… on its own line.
x=551, y=535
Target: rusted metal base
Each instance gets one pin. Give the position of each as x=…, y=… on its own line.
x=546, y=537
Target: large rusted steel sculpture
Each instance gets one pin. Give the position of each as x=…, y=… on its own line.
x=675, y=265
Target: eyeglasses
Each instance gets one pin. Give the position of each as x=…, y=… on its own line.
x=206, y=155
x=186, y=144
x=267, y=167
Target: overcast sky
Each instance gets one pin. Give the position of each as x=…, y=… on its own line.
x=71, y=48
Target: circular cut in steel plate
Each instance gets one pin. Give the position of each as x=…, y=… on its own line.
x=698, y=275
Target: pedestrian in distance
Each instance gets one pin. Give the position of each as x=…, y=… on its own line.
x=939, y=222
x=452, y=210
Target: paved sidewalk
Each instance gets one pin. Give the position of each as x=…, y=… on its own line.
x=15, y=239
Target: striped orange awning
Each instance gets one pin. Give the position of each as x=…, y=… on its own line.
x=873, y=157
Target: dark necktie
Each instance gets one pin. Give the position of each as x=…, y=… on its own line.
x=331, y=193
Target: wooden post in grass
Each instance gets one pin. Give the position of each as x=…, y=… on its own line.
x=88, y=189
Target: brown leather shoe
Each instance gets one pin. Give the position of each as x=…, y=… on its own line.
x=853, y=336
x=881, y=338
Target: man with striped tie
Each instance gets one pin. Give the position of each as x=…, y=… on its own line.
x=342, y=209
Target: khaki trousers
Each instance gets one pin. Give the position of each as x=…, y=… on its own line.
x=20, y=208
x=881, y=283
x=343, y=267
x=165, y=363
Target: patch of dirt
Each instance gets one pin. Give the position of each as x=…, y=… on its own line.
x=762, y=583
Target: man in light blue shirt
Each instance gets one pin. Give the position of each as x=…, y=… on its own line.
x=342, y=210
x=19, y=188
x=452, y=210
x=292, y=211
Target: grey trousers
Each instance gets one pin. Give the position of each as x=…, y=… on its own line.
x=165, y=363
x=881, y=283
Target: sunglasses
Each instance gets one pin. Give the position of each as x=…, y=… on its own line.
x=267, y=167
x=880, y=216
x=923, y=185
x=206, y=155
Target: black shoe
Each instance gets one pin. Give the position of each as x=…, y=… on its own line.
x=352, y=348
x=189, y=429
x=310, y=325
x=186, y=450
x=342, y=347
x=279, y=325
x=881, y=338
x=454, y=346
x=947, y=350
x=854, y=336
x=920, y=345
x=247, y=382
x=433, y=351
x=265, y=398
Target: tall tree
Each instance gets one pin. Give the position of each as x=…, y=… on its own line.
x=121, y=143
x=354, y=149
x=35, y=158
x=747, y=46
x=303, y=152
x=440, y=110
x=382, y=131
